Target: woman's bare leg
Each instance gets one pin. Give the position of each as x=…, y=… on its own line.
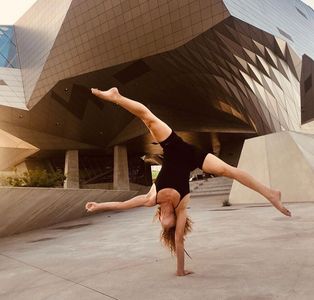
x=159, y=129
x=216, y=166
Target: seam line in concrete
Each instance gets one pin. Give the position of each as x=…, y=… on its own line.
x=56, y=275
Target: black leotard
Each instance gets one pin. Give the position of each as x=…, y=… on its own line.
x=180, y=158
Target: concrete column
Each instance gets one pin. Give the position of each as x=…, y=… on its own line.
x=21, y=168
x=148, y=174
x=120, y=168
x=71, y=170
x=215, y=143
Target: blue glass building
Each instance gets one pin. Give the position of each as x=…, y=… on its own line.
x=8, y=50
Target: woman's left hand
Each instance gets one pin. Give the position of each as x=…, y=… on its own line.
x=91, y=206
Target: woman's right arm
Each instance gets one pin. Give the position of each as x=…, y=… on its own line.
x=141, y=200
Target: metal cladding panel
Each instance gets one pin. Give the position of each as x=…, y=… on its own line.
x=307, y=89
x=97, y=34
x=36, y=32
x=11, y=88
x=203, y=70
x=291, y=20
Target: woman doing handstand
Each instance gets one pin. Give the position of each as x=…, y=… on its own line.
x=171, y=189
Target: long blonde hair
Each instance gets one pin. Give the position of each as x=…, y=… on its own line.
x=167, y=236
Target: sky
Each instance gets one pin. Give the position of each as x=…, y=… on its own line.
x=309, y=3
x=12, y=10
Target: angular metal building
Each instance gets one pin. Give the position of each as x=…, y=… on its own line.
x=218, y=71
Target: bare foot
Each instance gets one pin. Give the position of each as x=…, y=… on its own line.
x=111, y=95
x=275, y=200
x=184, y=273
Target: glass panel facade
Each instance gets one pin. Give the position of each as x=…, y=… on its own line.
x=8, y=50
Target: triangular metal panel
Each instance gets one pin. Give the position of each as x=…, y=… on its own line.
x=266, y=85
x=283, y=118
x=228, y=32
x=261, y=92
x=220, y=61
x=242, y=63
x=226, y=73
x=271, y=57
x=251, y=55
x=269, y=40
x=209, y=41
x=294, y=62
x=245, y=41
x=272, y=109
x=213, y=65
x=223, y=84
x=273, y=76
x=254, y=72
x=281, y=68
x=234, y=47
x=243, y=27
x=280, y=47
x=273, y=102
x=263, y=65
x=259, y=114
x=229, y=58
x=234, y=90
x=257, y=34
x=260, y=48
x=234, y=33
x=242, y=87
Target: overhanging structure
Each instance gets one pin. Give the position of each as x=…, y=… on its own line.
x=239, y=68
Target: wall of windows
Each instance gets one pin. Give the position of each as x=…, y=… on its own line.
x=8, y=49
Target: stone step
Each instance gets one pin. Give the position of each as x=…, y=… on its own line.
x=211, y=187
x=209, y=194
x=207, y=186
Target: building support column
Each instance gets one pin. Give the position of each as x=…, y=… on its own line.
x=121, y=168
x=71, y=170
x=216, y=145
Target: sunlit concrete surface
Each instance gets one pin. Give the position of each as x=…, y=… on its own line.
x=239, y=252
x=23, y=209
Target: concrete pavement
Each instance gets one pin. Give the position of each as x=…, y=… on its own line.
x=240, y=252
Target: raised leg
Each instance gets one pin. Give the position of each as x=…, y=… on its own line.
x=216, y=166
x=159, y=129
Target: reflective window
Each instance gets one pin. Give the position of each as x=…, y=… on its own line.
x=301, y=13
x=8, y=50
x=285, y=34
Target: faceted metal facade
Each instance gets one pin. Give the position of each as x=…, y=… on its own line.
x=202, y=66
x=290, y=20
x=85, y=36
x=307, y=89
x=256, y=73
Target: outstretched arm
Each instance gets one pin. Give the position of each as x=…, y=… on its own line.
x=179, y=236
x=179, y=240
x=141, y=200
